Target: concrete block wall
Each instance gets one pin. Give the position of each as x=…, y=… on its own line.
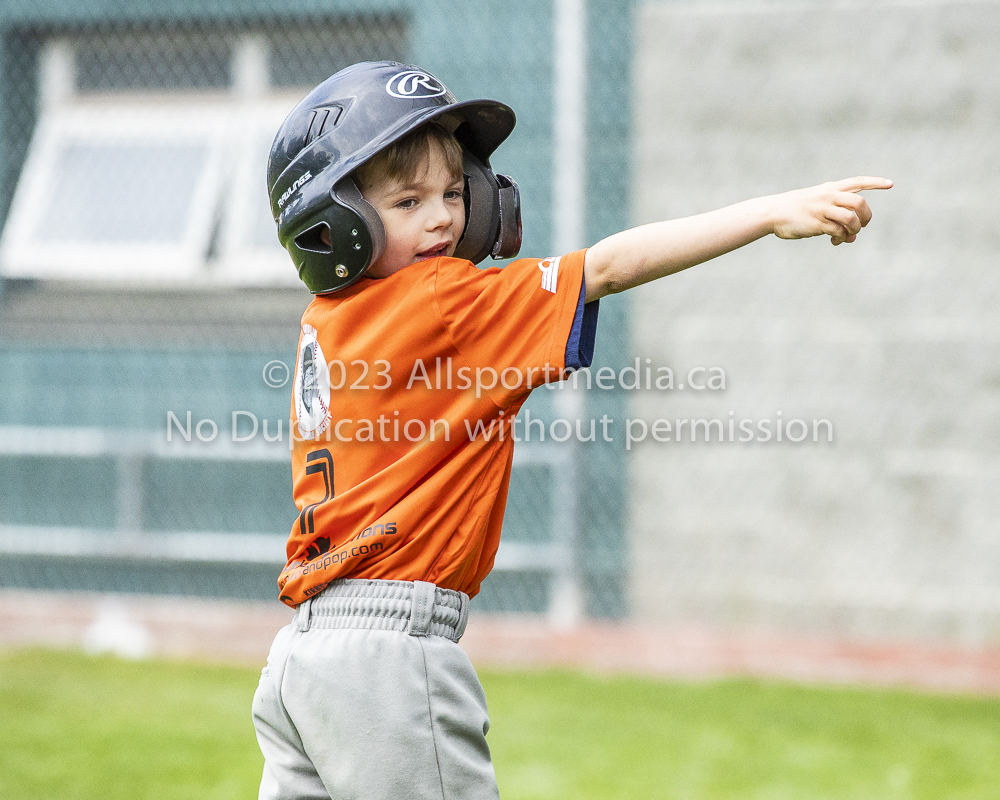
x=892, y=529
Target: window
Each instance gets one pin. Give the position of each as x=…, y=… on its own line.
x=118, y=192
x=147, y=162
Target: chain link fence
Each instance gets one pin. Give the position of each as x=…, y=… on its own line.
x=145, y=296
x=142, y=279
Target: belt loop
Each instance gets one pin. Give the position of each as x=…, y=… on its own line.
x=421, y=608
x=463, y=615
x=302, y=615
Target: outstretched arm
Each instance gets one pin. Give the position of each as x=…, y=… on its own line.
x=643, y=254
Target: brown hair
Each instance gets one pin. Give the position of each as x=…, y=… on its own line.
x=403, y=160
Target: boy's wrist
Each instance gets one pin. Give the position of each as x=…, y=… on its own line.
x=767, y=212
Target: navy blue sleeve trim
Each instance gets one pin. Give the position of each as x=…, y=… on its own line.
x=583, y=334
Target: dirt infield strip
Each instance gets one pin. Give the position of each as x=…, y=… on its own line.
x=226, y=630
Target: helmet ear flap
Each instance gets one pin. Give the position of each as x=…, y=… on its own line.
x=349, y=194
x=508, y=241
x=492, y=213
x=354, y=239
x=482, y=210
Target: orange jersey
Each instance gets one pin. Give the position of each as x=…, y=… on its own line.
x=404, y=395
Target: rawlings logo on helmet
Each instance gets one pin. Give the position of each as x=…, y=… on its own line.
x=413, y=84
x=301, y=181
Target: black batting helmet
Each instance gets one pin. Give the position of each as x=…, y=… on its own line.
x=343, y=123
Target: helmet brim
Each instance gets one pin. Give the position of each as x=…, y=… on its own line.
x=481, y=126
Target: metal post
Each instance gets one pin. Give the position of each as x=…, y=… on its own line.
x=567, y=603
x=569, y=180
x=129, y=496
x=569, y=125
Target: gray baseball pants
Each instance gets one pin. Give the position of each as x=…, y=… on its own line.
x=367, y=696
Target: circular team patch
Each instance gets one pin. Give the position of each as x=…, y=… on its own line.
x=312, y=386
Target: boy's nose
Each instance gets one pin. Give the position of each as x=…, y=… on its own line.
x=439, y=216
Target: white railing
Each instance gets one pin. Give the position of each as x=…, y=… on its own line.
x=127, y=539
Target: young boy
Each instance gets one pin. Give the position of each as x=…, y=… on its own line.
x=383, y=194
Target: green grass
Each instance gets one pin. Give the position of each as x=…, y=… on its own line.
x=76, y=727
x=79, y=727
x=567, y=735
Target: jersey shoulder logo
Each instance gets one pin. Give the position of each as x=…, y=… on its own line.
x=414, y=85
x=550, y=273
x=312, y=386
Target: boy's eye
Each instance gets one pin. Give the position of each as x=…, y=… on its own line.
x=453, y=194
x=409, y=202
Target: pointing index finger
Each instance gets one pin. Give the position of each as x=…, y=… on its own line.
x=862, y=183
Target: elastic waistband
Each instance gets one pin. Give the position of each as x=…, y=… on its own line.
x=417, y=608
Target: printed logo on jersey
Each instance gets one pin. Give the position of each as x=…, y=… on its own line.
x=413, y=85
x=550, y=273
x=312, y=386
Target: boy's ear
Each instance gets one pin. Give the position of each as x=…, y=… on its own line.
x=315, y=239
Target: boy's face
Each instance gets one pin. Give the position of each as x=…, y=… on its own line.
x=424, y=217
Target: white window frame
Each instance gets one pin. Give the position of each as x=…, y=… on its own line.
x=239, y=261
x=24, y=255
x=230, y=124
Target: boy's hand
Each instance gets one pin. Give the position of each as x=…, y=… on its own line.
x=643, y=254
x=835, y=209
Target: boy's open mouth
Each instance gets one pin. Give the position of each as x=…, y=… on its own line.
x=434, y=252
